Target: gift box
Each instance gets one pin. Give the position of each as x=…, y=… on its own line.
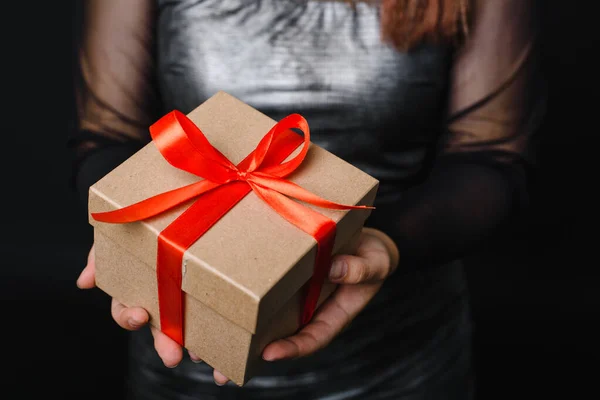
x=245, y=277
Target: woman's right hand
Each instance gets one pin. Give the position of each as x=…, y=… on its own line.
x=133, y=318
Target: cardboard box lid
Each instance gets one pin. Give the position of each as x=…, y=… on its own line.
x=252, y=260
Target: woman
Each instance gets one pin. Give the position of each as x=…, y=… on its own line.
x=436, y=98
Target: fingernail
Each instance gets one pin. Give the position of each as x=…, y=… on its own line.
x=171, y=366
x=195, y=359
x=219, y=384
x=338, y=270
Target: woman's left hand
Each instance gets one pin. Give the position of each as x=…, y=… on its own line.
x=360, y=277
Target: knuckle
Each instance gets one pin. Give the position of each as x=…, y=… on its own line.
x=119, y=314
x=375, y=266
x=361, y=272
x=309, y=344
x=382, y=266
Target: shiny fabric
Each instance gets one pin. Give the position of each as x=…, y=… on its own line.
x=321, y=59
x=446, y=131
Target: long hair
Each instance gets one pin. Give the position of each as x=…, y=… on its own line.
x=407, y=23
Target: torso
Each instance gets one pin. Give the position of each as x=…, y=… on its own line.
x=377, y=108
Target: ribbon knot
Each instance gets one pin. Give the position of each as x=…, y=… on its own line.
x=185, y=147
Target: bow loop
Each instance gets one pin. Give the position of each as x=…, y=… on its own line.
x=185, y=147
x=285, y=125
x=268, y=144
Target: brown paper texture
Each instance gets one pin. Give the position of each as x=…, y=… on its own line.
x=237, y=275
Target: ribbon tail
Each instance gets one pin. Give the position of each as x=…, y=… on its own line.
x=321, y=228
x=155, y=205
x=291, y=189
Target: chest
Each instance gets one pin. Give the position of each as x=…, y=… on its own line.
x=323, y=59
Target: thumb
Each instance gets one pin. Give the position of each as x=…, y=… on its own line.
x=87, y=278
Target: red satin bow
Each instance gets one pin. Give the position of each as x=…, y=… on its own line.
x=185, y=147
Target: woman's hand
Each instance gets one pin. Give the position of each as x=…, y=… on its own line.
x=360, y=276
x=133, y=318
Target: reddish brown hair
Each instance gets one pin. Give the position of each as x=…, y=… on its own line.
x=407, y=23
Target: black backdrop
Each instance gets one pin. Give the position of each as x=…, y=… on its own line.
x=535, y=306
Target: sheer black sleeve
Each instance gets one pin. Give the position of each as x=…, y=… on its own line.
x=116, y=92
x=480, y=174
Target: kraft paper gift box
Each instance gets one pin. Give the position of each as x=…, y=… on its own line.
x=244, y=280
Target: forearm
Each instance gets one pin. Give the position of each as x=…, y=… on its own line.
x=459, y=206
x=496, y=102
x=116, y=94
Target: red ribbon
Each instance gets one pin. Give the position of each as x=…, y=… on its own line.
x=185, y=147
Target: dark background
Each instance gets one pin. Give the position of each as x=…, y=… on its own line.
x=535, y=291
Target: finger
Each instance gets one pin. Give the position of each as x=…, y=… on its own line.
x=387, y=242
x=87, y=278
x=168, y=350
x=335, y=314
x=372, y=262
x=194, y=357
x=370, y=266
x=219, y=378
x=130, y=318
